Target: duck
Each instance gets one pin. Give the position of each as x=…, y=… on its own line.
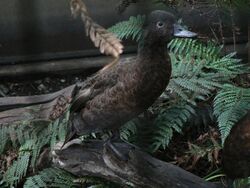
x=236, y=150
x=124, y=89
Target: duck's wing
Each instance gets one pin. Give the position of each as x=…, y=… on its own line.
x=106, y=78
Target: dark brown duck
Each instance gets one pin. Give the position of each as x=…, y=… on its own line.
x=236, y=151
x=121, y=91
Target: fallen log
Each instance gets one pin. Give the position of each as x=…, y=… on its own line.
x=141, y=170
x=7, y=103
x=41, y=107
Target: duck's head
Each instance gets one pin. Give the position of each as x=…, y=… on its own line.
x=162, y=25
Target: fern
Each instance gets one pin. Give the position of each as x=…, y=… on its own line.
x=230, y=104
x=51, y=177
x=188, y=80
x=19, y=168
x=170, y=120
x=128, y=130
x=54, y=177
x=227, y=67
x=130, y=28
x=180, y=46
x=32, y=137
x=40, y=131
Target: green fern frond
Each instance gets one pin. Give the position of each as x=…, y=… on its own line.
x=51, y=177
x=32, y=136
x=130, y=28
x=169, y=121
x=128, y=130
x=4, y=137
x=17, y=171
x=189, y=81
x=228, y=66
x=230, y=104
x=195, y=48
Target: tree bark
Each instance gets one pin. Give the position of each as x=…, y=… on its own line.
x=94, y=158
x=42, y=107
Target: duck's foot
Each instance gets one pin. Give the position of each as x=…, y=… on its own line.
x=111, y=146
x=74, y=120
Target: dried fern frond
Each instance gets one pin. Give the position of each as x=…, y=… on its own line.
x=108, y=43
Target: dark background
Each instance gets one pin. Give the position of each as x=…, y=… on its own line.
x=32, y=30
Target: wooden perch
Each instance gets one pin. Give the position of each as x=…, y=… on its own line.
x=141, y=170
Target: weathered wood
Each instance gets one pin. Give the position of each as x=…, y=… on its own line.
x=7, y=103
x=41, y=107
x=141, y=170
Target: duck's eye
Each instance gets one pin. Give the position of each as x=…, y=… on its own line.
x=159, y=24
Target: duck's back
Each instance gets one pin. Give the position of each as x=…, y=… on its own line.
x=135, y=87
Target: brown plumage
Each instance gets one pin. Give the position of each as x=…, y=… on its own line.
x=123, y=90
x=236, y=151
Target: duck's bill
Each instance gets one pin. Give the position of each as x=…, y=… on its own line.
x=180, y=31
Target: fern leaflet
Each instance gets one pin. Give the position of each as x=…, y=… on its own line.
x=230, y=104
x=168, y=121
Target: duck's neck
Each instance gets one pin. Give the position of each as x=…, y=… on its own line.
x=152, y=51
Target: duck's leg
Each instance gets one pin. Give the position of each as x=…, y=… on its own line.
x=111, y=146
x=74, y=120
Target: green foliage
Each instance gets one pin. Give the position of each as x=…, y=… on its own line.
x=168, y=121
x=32, y=137
x=214, y=175
x=131, y=28
x=189, y=81
x=230, y=104
x=51, y=177
x=196, y=48
x=128, y=130
x=242, y=183
x=18, y=169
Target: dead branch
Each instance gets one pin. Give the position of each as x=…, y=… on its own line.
x=141, y=170
x=46, y=107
